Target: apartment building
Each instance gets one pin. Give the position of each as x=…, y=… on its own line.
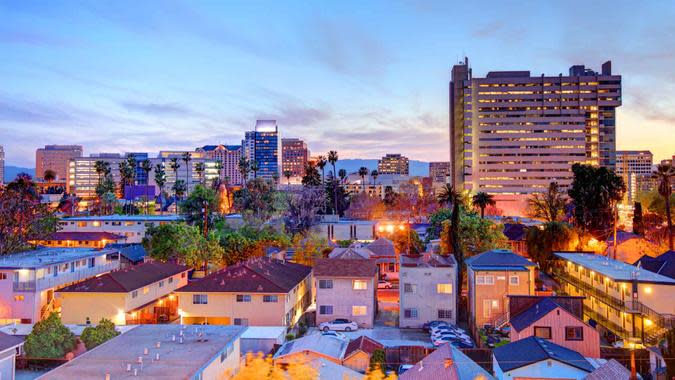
x=635, y=166
x=346, y=288
x=427, y=290
x=80, y=239
x=493, y=276
x=630, y=302
x=393, y=164
x=132, y=227
x=294, y=158
x=56, y=158
x=257, y=292
x=82, y=178
x=440, y=171
x=263, y=146
x=228, y=156
x=186, y=172
x=140, y=294
x=513, y=133
x=28, y=280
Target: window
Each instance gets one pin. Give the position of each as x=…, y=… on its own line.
x=182, y=275
x=241, y=321
x=391, y=267
x=270, y=298
x=3, y=276
x=359, y=284
x=161, y=284
x=116, y=223
x=200, y=299
x=170, y=280
x=444, y=288
x=326, y=309
x=485, y=280
x=81, y=224
x=359, y=310
x=542, y=332
x=409, y=288
x=243, y=298
x=574, y=333
x=444, y=314
x=514, y=280
x=146, y=290
x=410, y=313
x=92, y=261
x=134, y=294
x=18, y=298
x=325, y=284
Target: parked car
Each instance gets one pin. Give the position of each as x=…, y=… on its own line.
x=463, y=344
x=429, y=325
x=384, y=284
x=403, y=367
x=440, y=341
x=339, y=324
x=333, y=333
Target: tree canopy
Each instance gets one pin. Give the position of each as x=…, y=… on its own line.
x=99, y=334
x=182, y=243
x=49, y=339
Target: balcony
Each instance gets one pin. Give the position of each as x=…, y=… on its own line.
x=64, y=278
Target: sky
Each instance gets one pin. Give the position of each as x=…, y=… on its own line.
x=364, y=78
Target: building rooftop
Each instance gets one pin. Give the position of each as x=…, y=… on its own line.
x=345, y=268
x=498, y=259
x=327, y=345
x=133, y=252
x=85, y=236
x=257, y=275
x=614, y=269
x=533, y=350
x=382, y=247
x=664, y=264
x=9, y=341
x=125, y=218
x=329, y=370
x=610, y=370
x=351, y=253
x=202, y=344
x=540, y=308
x=515, y=231
x=42, y=257
x=126, y=280
x=264, y=332
x=363, y=343
x=446, y=362
x=428, y=260
x=209, y=148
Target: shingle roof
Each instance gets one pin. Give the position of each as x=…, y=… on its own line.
x=133, y=252
x=324, y=344
x=447, y=363
x=498, y=258
x=663, y=264
x=8, y=341
x=84, y=236
x=382, y=247
x=351, y=253
x=428, y=260
x=345, y=268
x=257, y=275
x=533, y=350
x=533, y=314
x=364, y=344
x=515, y=231
x=610, y=370
x=126, y=280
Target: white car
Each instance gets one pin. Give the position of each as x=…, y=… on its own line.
x=339, y=324
x=384, y=284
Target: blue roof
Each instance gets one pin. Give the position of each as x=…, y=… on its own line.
x=493, y=267
x=614, y=269
x=533, y=314
x=208, y=148
x=663, y=264
x=533, y=350
x=133, y=252
x=500, y=259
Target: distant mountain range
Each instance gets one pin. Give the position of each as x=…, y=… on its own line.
x=12, y=171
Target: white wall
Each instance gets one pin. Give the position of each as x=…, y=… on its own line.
x=546, y=369
x=426, y=298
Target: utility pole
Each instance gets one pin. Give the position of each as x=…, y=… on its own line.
x=614, y=210
x=205, y=210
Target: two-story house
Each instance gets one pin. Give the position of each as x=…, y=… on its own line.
x=492, y=277
x=140, y=294
x=257, y=292
x=130, y=226
x=631, y=302
x=427, y=290
x=29, y=279
x=346, y=288
x=558, y=319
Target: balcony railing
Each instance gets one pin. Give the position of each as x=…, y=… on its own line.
x=589, y=289
x=64, y=278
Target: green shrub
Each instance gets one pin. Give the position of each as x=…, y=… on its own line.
x=103, y=332
x=49, y=339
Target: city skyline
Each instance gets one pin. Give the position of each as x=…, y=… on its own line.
x=180, y=76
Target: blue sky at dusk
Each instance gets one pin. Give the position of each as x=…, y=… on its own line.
x=362, y=77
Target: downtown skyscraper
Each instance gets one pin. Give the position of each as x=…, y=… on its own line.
x=512, y=133
x=262, y=148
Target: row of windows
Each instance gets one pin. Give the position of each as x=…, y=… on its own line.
x=356, y=284
x=571, y=332
x=440, y=288
x=357, y=311
x=490, y=280
x=412, y=313
x=203, y=299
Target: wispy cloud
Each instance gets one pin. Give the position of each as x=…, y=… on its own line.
x=158, y=109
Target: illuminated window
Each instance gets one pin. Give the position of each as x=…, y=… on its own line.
x=359, y=284
x=359, y=310
x=19, y=298
x=542, y=332
x=146, y=290
x=444, y=288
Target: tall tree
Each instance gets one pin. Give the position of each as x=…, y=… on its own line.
x=302, y=209
x=259, y=201
x=638, y=222
x=363, y=172
x=200, y=168
x=312, y=176
x=179, y=189
x=342, y=173
x=374, y=174
x=288, y=174
x=244, y=168
x=549, y=206
x=219, y=168
x=182, y=243
x=160, y=180
x=451, y=197
x=146, y=166
x=255, y=166
x=664, y=175
x=333, y=159
x=551, y=237
x=101, y=167
x=49, y=176
x=187, y=157
x=321, y=164
x=595, y=191
x=200, y=203
x=482, y=200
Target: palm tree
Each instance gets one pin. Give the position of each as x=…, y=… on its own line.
x=449, y=196
x=482, y=200
x=342, y=173
x=132, y=164
x=146, y=165
x=254, y=168
x=244, y=168
x=333, y=159
x=187, y=157
x=160, y=180
x=664, y=175
x=101, y=167
x=200, y=167
x=374, y=174
x=288, y=174
x=219, y=167
x=321, y=164
x=363, y=172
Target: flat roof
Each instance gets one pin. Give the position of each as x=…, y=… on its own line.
x=125, y=218
x=614, y=269
x=41, y=257
x=177, y=361
x=264, y=332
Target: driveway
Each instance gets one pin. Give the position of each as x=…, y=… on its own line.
x=391, y=336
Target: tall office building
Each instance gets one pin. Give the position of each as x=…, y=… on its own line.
x=82, y=178
x=512, y=133
x=56, y=158
x=393, y=164
x=635, y=166
x=262, y=145
x=439, y=171
x=294, y=157
x=2, y=164
x=229, y=156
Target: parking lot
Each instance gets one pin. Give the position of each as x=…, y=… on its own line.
x=390, y=336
